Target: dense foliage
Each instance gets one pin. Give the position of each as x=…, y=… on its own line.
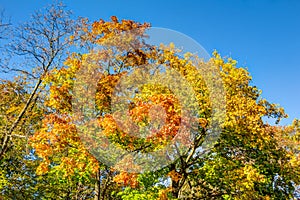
x=46, y=155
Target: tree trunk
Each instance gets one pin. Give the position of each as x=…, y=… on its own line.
x=97, y=186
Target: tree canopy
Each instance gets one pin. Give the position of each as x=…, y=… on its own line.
x=97, y=112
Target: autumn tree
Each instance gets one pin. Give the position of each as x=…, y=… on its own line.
x=82, y=124
x=243, y=164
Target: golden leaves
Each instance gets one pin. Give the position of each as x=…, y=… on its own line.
x=42, y=168
x=59, y=137
x=111, y=29
x=203, y=122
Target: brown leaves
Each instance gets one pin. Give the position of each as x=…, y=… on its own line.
x=114, y=19
x=175, y=176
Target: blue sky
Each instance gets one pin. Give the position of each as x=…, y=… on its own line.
x=263, y=35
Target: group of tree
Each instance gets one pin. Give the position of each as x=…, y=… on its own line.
x=42, y=155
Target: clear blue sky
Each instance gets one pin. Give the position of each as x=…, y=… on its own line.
x=263, y=35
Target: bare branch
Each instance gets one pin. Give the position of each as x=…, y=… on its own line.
x=42, y=42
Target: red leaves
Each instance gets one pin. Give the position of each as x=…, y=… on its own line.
x=127, y=179
x=155, y=122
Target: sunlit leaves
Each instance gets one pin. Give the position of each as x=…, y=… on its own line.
x=243, y=164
